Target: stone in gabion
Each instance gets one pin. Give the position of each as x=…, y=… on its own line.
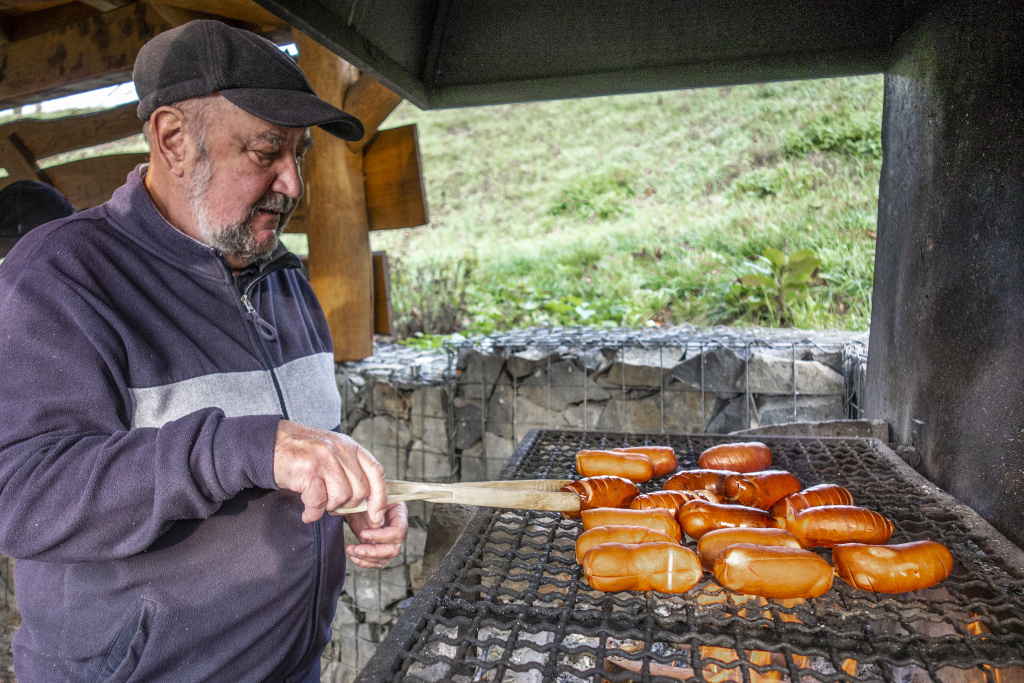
x=528, y=361
x=640, y=367
x=388, y=439
x=374, y=590
x=430, y=417
x=477, y=373
x=779, y=409
x=427, y=464
x=468, y=425
x=566, y=385
x=722, y=368
x=478, y=465
x=732, y=414
x=574, y=415
x=768, y=374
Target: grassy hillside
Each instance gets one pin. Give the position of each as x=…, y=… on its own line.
x=645, y=209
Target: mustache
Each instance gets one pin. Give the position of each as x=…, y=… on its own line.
x=273, y=201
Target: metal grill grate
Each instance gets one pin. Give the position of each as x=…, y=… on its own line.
x=510, y=604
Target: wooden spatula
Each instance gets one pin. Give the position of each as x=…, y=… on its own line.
x=521, y=494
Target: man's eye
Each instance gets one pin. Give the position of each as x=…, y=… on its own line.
x=266, y=156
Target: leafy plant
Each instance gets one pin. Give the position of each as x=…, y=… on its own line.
x=430, y=299
x=857, y=137
x=777, y=283
x=602, y=196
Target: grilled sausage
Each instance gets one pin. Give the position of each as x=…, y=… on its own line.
x=752, y=456
x=777, y=572
x=713, y=543
x=633, y=466
x=657, y=519
x=698, y=480
x=831, y=525
x=665, y=567
x=699, y=517
x=670, y=500
x=815, y=496
x=618, y=534
x=760, y=489
x=892, y=568
x=601, y=492
x=662, y=457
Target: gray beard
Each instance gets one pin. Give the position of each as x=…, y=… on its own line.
x=234, y=239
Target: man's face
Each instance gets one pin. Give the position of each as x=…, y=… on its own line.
x=243, y=182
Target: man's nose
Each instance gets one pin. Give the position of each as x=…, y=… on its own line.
x=289, y=178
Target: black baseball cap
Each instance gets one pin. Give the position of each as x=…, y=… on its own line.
x=203, y=57
x=26, y=204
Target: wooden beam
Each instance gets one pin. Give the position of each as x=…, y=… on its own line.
x=46, y=137
x=238, y=10
x=383, y=313
x=395, y=197
x=88, y=54
x=31, y=24
x=340, y=265
x=18, y=160
x=105, y=5
x=89, y=182
x=371, y=102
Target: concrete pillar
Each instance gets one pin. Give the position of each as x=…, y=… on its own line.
x=947, y=324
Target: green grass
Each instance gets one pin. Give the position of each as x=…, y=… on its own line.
x=643, y=209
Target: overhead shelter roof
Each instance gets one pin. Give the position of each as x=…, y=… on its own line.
x=457, y=53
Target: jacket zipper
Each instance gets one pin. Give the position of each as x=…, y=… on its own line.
x=250, y=320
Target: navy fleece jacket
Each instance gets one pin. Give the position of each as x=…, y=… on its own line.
x=140, y=392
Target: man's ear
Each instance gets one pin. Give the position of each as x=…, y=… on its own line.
x=167, y=139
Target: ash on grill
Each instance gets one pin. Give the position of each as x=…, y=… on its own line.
x=510, y=603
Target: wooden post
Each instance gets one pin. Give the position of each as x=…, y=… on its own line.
x=340, y=262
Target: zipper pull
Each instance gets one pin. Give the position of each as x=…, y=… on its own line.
x=265, y=329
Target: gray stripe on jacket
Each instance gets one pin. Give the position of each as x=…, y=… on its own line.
x=308, y=385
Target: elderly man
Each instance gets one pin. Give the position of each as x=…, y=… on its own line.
x=168, y=446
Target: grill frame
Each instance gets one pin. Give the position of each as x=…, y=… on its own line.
x=390, y=661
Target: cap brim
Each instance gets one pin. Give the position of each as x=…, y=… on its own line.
x=295, y=109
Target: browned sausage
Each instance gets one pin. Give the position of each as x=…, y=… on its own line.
x=699, y=517
x=776, y=572
x=892, y=568
x=713, y=543
x=815, y=496
x=665, y=567
x=657, y=519
x=618, y=534
x=633, y=466
x=602, y=492
x=662, y=457
x=669, y=500
x=760, y=489
x=831, y=525
x=752, y=456
x=698, y=480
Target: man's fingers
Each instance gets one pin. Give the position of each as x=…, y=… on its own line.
x=378, y=497
x=314, y=498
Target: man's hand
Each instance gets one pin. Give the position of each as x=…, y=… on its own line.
x=377, y=546
x=328, y=470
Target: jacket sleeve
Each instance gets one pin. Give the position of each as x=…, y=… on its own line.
x=77, y=483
